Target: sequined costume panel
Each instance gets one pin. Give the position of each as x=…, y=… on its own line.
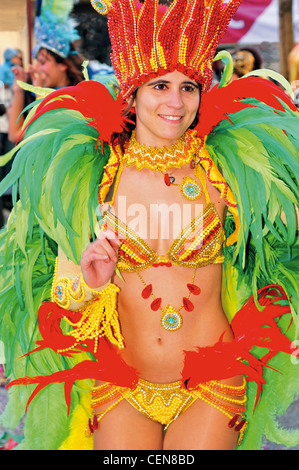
x=199, y=243
x=164, y=403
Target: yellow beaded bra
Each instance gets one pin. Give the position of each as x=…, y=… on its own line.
x=198, y=245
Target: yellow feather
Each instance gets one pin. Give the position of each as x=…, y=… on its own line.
x=77, y=439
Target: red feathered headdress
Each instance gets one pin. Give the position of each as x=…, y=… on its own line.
x=149, y=40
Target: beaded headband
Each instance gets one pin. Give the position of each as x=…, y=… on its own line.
x=149, y=40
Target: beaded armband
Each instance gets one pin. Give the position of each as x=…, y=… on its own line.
x=72, y=289
x=99, y=318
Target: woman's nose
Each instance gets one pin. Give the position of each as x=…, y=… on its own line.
x=175, y=99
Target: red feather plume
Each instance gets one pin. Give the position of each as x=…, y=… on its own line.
x=93, y=101
x=111, y=368
x=108, y=366
x=219, y=102
x=251, y=327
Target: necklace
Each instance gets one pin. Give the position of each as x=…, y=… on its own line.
x=171, y=318
x=189, y=187
x=162, y=158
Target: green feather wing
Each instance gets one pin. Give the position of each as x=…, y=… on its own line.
x=256, y=155
x=56, y=171
x=257, y=151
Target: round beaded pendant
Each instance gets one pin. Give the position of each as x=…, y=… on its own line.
x=101, y=6
x=171, y=319
x=190, y=189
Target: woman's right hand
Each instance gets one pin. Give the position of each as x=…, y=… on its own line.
x=21, y=75
x=99, y=259
x=37, y=75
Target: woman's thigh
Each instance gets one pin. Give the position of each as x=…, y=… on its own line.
x=200, y=427
x=125, y=428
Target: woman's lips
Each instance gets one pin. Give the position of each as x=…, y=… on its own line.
x=172, y=118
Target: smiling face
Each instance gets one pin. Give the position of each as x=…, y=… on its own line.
x=54, y=74
x=165, y=108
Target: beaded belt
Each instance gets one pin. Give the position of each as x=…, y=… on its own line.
x=165, y=402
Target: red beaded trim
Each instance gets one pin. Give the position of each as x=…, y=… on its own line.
x=108, y=176
x=218, y=183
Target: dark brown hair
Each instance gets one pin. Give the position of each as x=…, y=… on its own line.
x=74, y=65
x=123, y=137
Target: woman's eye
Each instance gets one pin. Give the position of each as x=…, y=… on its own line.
x=189, y=88
x=160, y=86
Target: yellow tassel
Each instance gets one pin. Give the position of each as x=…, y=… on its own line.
x=99, y=318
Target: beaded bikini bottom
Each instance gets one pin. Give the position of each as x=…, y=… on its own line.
x=163, y=403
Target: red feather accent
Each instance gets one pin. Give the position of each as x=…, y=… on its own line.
x=109, y=367
x=217, y=103
x=93, y=100
x=49, y=318
x=251, y=328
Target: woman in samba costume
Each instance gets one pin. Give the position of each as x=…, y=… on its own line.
x=157, y=316
x=169, y=350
